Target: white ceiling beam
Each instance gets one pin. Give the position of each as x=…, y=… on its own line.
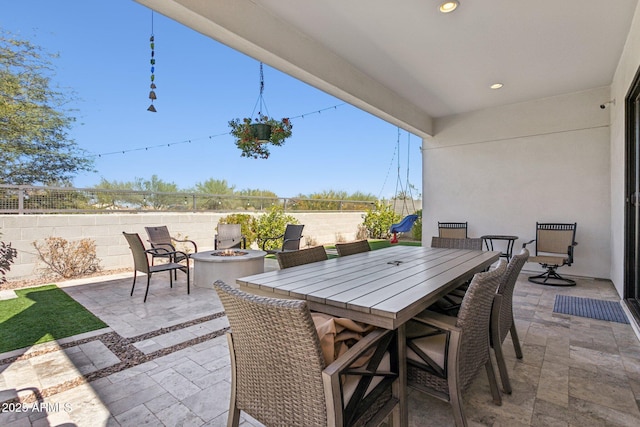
x=252, y=30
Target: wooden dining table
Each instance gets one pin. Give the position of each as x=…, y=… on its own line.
x=385, y=288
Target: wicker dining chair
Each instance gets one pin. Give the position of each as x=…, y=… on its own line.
x=502, y=321
x=301, y=257
x=278, y=373
x=229, y=236
x=474, y=244
x=351, y=248
x=444, y=353
x=451, y=302
x=456, y=230
x=141, y=262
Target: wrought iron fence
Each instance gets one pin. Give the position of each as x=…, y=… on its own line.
x=22, y=199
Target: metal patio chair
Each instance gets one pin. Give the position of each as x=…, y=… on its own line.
x=554, y=248
x=159, y=237
x=141, y=262
x=456, y=230
x=229, y=236
x=290, y=239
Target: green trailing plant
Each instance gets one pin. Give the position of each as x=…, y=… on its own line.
x=7, y=257
x=68, y=259
x=247, y=223
x=273, y=224
x=247, y=140
x=379, y=219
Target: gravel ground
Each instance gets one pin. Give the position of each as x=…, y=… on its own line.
x=46, y=280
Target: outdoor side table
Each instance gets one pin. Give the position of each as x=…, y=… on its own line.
x=489, y=238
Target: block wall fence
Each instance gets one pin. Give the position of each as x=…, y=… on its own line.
x=112, y=250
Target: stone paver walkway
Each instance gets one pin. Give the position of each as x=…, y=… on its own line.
x=165, y=363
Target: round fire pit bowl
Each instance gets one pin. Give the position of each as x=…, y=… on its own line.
x=226, y=265
x=229, y=252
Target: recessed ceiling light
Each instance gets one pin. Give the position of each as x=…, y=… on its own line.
x=448, y=6
x=496, y=86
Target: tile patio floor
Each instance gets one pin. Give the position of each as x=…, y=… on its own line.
x=165, y=363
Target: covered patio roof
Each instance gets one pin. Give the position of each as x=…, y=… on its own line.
x=407, y=63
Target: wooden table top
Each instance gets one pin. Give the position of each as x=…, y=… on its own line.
x=385, y=287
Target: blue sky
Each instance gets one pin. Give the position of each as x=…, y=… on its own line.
x=201, y=85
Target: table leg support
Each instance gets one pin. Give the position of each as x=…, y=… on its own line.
x=401, y=417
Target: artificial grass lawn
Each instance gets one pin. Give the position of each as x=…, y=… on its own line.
x=42, y=314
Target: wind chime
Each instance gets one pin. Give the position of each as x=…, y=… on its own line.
x=152, y=93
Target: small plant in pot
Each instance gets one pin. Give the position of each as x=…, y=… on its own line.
x=254, y=136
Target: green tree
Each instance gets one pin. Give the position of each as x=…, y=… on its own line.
x=119, y=194
x=257, y=199
x=333, y=200
x=216, y=187
x=157, y=197
x=34, y=143
x=324, y=200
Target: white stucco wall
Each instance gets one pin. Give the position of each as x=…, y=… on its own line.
x=502, y=169
x=111, y=247
x=625, y=72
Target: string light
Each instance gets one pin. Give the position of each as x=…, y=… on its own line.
x=187, y=141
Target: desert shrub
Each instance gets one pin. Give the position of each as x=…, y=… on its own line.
x=310, y=241
x=247, y=225
x=362, y=232
x=7, y=257
x=416, y=231
x=273, y=224
x=340, y=238
x=68, y=259
x=186, y=247
x=379, y=219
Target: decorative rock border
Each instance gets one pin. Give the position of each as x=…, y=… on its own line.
x=122, y=347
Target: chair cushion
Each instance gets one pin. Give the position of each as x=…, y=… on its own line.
x=433, y=346
x=337, y=334
x=351, y=381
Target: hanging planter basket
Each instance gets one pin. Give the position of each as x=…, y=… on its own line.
x=254, y=137
x=261, y=131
